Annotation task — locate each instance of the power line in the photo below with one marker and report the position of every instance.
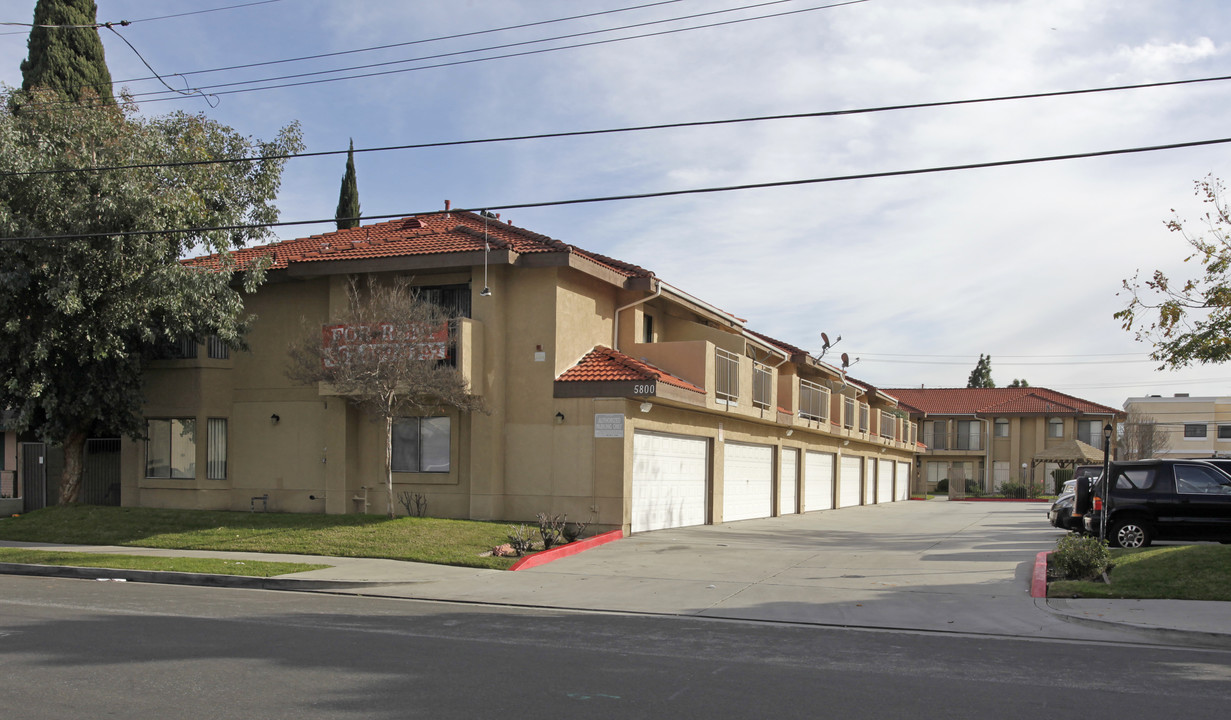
(415, 42)
(125, 23)
(485, 49)
(636, 128)
(493, 57)
(663, 193)
(524, 43)
(973, 359)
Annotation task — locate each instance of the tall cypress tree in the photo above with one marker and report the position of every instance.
(348, 197)
(67, 60)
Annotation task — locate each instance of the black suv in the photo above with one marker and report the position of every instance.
(1166, 499)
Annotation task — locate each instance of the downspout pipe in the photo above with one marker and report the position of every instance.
(615, 333)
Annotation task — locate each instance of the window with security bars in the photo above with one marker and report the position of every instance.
(813, 401)
(216, 448)
(762, 386)
(864, 411)
(848, 413)
(726, 376)
(216, 349)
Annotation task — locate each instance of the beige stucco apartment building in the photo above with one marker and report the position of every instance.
(1010, 431)
(1189, 427)
(613, 396)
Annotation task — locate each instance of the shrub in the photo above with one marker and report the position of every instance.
(942, 485)
(1060, 476)
(973, 488)
(519, 539)
(1078, 557)
(1014, 490)
(551, 529)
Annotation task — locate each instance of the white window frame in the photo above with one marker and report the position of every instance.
(998, 425)
(1055, 423)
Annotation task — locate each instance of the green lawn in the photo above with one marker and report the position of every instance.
(1175, 572)
(209, 566)
(430, 540)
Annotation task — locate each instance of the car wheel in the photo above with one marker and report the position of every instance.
(1129, 534)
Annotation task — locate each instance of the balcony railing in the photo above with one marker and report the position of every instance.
(726, 376)
(952, 441)
(762, 386)
(813, 401)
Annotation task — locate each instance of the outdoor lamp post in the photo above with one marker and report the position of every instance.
(1102, 529)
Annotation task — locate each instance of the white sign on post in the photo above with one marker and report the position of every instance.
(608, 425)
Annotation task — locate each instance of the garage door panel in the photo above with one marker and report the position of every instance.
(850, 482)
(901, 487)
(884, 482)
(669, 481)
(818, 481)
(747, 481)
(788, 482)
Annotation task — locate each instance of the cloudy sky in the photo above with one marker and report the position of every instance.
(918, 274)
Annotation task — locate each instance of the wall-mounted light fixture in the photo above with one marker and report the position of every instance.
(645, 407)
(274, 418)
(559, 418)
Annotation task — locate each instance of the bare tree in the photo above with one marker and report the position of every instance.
(385, 353)
(1140, 437)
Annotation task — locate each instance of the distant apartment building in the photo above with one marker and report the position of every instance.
(1000, 435)
(1188, 427)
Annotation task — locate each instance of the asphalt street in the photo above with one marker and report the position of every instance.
(84, 648)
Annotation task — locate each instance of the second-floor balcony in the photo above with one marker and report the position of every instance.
(949, 440)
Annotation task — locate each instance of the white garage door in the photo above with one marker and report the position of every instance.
(884, 482)
(850, 481)
(869, 481)
(818, 481)
(788, 481)
(669, 481)
(747, 481)
(901, 488)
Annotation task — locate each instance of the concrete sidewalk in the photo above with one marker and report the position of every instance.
(934, 566)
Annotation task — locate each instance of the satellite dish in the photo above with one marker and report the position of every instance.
(846, 361)
(825, 341)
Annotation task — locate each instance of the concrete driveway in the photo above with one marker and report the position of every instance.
(961, 566)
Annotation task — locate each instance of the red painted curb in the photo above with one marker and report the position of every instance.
(546, 556)
(1038, 582)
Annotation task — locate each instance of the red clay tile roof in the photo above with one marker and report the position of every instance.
(995, 401)
(438, 233)
(602, 364)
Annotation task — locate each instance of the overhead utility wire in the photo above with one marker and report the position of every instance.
(467, 52)
(414, 42)
(659, 194)
(635, 128)
(525, 53)
(125, 23)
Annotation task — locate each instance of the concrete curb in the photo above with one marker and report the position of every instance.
(175, 578)
(1038, 580)
(546, 556)
(1060, 608)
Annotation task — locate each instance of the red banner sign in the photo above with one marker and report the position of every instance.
(384, 341)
